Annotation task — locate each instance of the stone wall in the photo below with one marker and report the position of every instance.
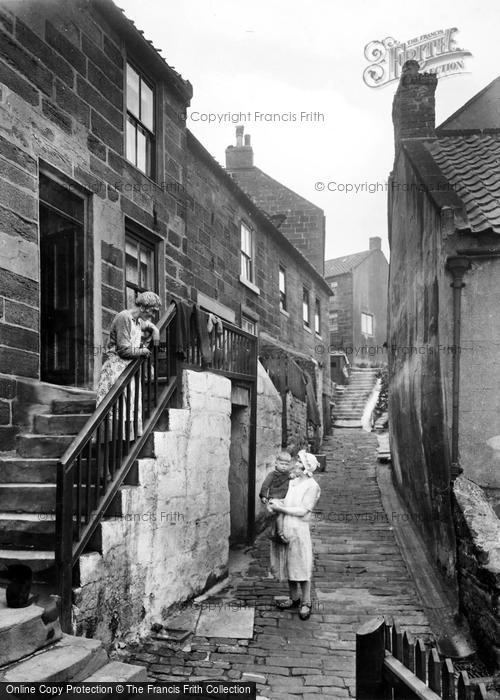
(269, 429)
(171, 540)
(420, 312)
(296, 418)
(478, 565)
(341, 302)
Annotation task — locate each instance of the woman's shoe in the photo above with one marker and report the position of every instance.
(287, 604)
(305, 611)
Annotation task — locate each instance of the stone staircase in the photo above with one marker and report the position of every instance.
(350, 400)
(28, 486)
(33, 650)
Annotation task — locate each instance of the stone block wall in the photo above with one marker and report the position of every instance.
(341, 302)
(269, 429)
(296, 418)
(172, 539)
(478, 565)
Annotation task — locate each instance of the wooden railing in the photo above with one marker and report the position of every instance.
(98, 461)
(391, 666)
(96, 464)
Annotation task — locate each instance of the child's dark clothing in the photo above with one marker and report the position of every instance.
(275, 485)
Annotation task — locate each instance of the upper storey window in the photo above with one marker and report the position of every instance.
(140, 121)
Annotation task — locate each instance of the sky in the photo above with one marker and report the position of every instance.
(294, 69)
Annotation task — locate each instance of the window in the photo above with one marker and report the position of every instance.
(140, 122)
(333, 287)
(333, 320)
(140, 267)
(282, 286)
(247, 268)
(248, 325)
(305, 307)
(317, 317)
(367, 324)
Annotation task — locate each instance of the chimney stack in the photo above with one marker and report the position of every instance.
(413, 109)
(239, 157)
(375, 243)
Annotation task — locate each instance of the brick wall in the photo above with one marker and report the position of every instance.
(213, 220)
(341, 302)
(304, 224)
(61, 108)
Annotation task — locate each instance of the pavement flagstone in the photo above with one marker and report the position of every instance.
(359, 573)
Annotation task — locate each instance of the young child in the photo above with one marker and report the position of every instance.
(275, 485)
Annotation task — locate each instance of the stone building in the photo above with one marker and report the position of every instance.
(443, 336)
(104, 193)
(357, 311)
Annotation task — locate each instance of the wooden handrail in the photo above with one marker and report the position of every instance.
(101, 411)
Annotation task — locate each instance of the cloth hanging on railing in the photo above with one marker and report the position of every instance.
(313, 414)
(214, 323)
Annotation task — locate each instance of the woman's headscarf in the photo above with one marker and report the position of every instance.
(309, 462)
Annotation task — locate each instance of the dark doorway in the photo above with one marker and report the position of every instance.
(62, 284)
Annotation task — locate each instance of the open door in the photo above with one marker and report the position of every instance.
(62, 285)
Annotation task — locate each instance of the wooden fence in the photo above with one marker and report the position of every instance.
(392, 666)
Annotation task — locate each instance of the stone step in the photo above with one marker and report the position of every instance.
(24, 530)
(36, 559)
(69, 659)
(344, 423)
(64, 424)
(118, 672)
(42, 446)
(27, 498)
(22, 631)
(72, 406)
(22, 470)
(35, 498)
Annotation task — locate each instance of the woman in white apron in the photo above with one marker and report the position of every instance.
(294, 561)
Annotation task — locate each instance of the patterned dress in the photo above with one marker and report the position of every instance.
(294, 561)
(123, 347)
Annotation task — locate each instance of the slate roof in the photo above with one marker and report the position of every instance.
(471, 164)
(339, 266)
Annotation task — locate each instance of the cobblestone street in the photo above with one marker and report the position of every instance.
(359, 573)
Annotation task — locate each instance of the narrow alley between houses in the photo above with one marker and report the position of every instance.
(359, 574)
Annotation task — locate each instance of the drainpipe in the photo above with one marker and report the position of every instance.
(458, 266)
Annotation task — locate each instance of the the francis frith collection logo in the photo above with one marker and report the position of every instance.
(436, 52)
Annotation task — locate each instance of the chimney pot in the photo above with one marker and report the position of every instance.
(375, 243)
(239, 157)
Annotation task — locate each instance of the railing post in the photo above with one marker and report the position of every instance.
(370, 654)
(64, 543)
(252, 450)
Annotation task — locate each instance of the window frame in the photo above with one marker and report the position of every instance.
(150, 134)
(248, 256)
(251, 322)
(331, 313)
(141, 240)
(282, 292)
(306, 305)
(365, 314)
(317, 316)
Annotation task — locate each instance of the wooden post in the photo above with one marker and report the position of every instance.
(434, 672)
(370, 654)
(448, 680)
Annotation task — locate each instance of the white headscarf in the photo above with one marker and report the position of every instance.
(309, 462)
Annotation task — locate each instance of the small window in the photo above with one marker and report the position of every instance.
(305, 307)
(317, 317)
(140, 122)
(140, 267)
(248, 325)
(247, 266)
(333, 320)
(282, 286)
(333, 287)
(366, 324)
